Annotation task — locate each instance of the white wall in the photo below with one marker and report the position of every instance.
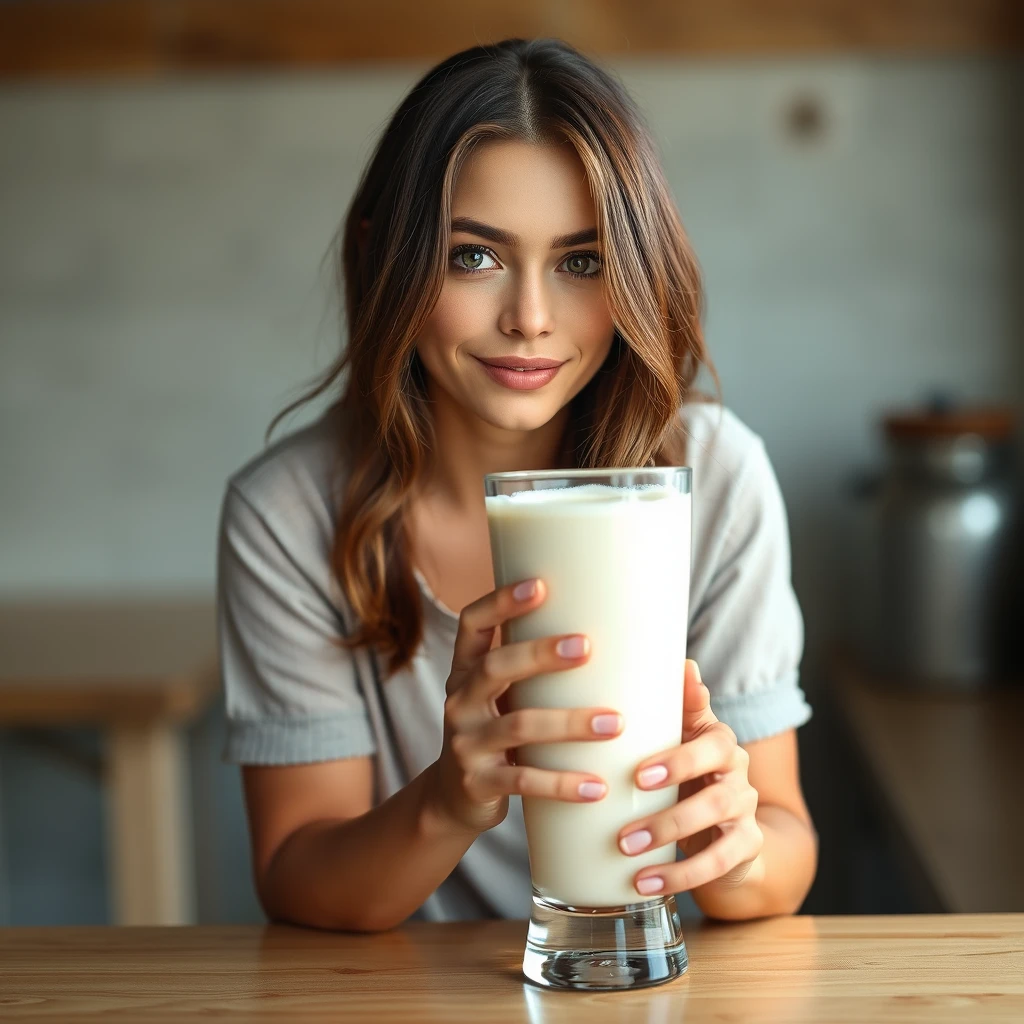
(161, 294)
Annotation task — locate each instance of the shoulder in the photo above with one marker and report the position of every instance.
(735, 492)
(297, 475)
(286, 496)
(722, 451)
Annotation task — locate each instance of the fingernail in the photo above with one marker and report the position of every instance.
(696, 669)
(572, 647)
(635, 842)
(653, 775)
(525, 590)
(646, 886)
(606, 725)
(592, 790)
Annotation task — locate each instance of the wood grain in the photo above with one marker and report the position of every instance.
(69, 37)
(948, 770)
(98, 661)
(786, 970)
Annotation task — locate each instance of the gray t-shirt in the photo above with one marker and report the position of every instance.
(293, 696)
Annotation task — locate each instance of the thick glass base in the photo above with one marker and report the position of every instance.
(597, 949)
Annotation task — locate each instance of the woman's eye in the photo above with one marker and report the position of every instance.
(473, 259)
(582, 264)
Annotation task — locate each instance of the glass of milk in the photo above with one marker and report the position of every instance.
(613, 548)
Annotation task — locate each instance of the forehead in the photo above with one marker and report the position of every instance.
(534, 190)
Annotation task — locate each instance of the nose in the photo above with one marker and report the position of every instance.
(527, 311)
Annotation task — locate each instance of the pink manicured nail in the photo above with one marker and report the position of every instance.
(606, 725)
(653, 775)
(525, 590)
(572, 647)
(635, 841)
(646, 886)
(592, 790)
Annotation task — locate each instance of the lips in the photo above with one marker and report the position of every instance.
(520, 374)
(520, 363)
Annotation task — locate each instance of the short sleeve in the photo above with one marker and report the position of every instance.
(746, 633)
(291, 692)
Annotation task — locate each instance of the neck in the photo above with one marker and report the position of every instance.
(466, 448)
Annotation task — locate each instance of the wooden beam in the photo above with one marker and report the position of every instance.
(47, 38)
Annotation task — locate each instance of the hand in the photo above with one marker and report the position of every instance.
(474, 776)
(714, 821)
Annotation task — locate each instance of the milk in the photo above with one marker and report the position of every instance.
(616, 563)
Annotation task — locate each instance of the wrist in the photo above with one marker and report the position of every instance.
(436, 820)
(736, 898)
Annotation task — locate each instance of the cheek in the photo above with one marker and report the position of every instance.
(454, 319)
(594, 327)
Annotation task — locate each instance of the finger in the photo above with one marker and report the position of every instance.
(512, 662)
(715, 750)
(549, 725)
(714, 861)
(697, 713)
(713, 805)
(479, 620)
(570, 787)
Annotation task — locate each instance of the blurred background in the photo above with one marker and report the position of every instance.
(171, 174)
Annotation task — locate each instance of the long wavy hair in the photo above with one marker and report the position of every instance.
(391, 260)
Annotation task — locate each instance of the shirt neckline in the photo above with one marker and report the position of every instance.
(432, 597)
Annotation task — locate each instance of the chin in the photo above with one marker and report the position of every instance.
(520, 414)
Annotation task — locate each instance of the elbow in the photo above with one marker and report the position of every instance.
(364, 920)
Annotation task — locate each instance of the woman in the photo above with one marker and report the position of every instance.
(513, 216)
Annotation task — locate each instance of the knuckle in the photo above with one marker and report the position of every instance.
(742, 757)
(488, 670)
(756, 838)
(517, 727)
(461, 745)
(719, 801)
(680, 821)
(726, 737)
(719, 861)
(519, 779)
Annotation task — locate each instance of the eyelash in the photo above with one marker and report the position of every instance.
(469, 247)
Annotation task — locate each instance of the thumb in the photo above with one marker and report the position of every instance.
(697, 713)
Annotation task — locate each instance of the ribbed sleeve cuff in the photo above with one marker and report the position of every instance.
(298, 740)
(756, 716)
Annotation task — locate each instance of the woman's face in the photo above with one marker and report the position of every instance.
(517, 289)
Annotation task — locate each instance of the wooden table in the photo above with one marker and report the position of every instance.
(141, 671)
(948, 773)
(966, 968)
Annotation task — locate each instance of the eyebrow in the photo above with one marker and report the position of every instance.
(507, 238)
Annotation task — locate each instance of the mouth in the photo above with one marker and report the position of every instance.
(520, 374)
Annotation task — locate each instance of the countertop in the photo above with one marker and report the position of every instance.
(827, 970)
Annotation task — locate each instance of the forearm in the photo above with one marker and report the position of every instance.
(777, 881)
(366, 874)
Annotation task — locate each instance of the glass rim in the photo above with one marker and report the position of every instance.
(620, 478)
(547, 474)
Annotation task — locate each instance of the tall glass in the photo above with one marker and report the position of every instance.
(613, 548)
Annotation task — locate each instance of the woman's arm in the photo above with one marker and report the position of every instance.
(322, 856)
(778, 880)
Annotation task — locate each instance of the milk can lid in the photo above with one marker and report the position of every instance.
(991, 423)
